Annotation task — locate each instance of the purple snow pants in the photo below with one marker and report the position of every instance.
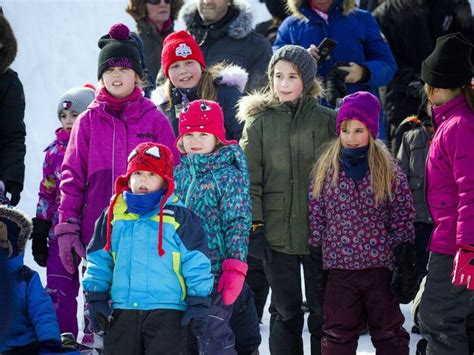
(356, 298)
(63, 289)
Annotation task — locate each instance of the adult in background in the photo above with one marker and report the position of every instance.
(411, 28)
(279, 12)
(223, 30)
(361, 61)
(12, 111)
(155, 20)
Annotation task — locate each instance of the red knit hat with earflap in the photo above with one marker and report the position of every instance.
(152, 157)
(180, 46)
(202, 116)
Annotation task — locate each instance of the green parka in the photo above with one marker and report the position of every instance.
(282, 145)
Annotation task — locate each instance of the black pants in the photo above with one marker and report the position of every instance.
(422, 237)
(258, 283)
(446, 312)
(146, 332)
(287, 317)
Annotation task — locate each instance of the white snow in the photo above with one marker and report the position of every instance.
(57, 49)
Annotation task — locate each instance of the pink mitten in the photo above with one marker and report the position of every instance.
(70, 244)
(463, 267)
(232, 280)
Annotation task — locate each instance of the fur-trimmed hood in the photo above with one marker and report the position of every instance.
(238, 28)
(230, 75)
(9, 49)
(11, 215)
(294, 7)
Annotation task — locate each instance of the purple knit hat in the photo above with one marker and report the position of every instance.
(361, 106)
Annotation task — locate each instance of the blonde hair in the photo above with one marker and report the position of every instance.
(466, 90)
(381, 167)
(207, 87)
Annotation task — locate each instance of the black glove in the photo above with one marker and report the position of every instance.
(99, 312)
(197, 314)
(320, 274)
(259, 247)
(40, 240)
(403, 283)
(14, 189)
(335, 84)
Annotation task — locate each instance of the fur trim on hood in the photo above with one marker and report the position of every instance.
(7, 39)
(230, 75)
(294, 7)
(21, 220)
(239, 28)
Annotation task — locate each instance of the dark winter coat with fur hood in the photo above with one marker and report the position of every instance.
(232, 40)
(12, 110)
(230, 83)
(282, 142)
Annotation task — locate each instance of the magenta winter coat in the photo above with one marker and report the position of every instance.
(450, 176)
(97, 154)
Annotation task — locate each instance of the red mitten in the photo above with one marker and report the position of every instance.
(463, 267)
(232, 280)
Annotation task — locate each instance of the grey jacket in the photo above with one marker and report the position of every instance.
(235, 43)
(412, 156)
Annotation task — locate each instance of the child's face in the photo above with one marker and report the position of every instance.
(67, 119)
(6, 249)
(199, 143)
(119, 81)
(185, 74)
(287, 83)
(143, 182)
(354, 134)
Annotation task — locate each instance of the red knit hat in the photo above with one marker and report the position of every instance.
(180, 46)
(152, 157)
(202, 116)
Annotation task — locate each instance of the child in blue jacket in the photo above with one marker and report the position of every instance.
(30, 326)
(148, 271)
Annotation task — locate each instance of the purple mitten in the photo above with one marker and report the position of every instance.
(70, 245)
(232, 280)
(463, 267)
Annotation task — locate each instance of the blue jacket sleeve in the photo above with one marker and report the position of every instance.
(195, 263)
(228, 97)
(100, 263)
(41, 311)
(379, 58)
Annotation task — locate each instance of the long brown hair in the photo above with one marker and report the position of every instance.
(381, 166)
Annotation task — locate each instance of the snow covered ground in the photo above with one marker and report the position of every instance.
(57, 49)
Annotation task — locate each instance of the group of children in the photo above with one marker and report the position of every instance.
(167, 221)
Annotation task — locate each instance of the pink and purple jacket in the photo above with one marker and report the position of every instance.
(355, 233)
(97, 154)
(450, 177)
(48, 202)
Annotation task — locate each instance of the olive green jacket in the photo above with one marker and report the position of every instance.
(281, 148)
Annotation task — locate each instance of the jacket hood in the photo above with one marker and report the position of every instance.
(11, 215)
(7, 39)
(238, 28)
(230, 75)
(294, 6)
(252, 104)
(227, 155)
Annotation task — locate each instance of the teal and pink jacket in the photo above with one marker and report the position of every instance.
(101, 140)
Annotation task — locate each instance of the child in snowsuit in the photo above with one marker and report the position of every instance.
(285, 126)
(213, 182)
(188, 79)
(446, 314)
(30, 321)
(361, 220)
(148, 271)
(61, 285)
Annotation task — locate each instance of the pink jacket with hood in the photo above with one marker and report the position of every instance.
(450, 176)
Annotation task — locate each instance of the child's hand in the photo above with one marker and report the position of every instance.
(403, 283)
(463, 267)
(259, 247)
(99, 312)
(70, 245)
(40, 240)
(197, 313)
(232, 280)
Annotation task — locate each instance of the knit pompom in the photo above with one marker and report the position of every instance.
(119, 31)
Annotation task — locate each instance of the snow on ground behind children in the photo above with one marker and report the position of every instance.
(57, 49)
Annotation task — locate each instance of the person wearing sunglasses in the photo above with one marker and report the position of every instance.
(154, 20)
